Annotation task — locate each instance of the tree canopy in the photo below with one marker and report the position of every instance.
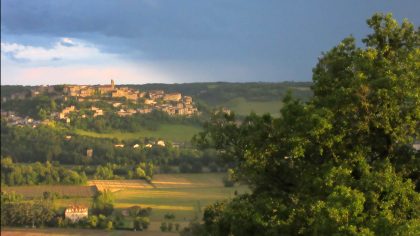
(340, 164)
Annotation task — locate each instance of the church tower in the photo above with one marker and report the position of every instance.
(112, 84)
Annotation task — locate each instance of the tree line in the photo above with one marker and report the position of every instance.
(33, 174)
(45, 143)
(110, 121)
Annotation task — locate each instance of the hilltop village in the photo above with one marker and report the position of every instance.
(122, 101)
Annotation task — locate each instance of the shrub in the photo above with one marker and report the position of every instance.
(163, 227)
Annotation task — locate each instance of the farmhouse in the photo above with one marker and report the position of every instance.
(175, 97)
(416, 146)
(187, 99)
(117, 104)
(161, 143)
(89, 152)
(155, 94)
(65, 111)
(144, 110)
(75, 213)
(97, 111)
(129, 112)
(149, 102)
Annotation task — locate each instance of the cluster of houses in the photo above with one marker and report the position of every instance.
(149, 145)
(144, 102)
(161, 143)
(83, 91)
(64, 114)
(11, 118)
(171, 103)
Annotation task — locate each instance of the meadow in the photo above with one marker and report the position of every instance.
(185, 195)
(66, 191)
(173, 132)
(244, 107)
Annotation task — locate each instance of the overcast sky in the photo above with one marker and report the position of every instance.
(177, 41)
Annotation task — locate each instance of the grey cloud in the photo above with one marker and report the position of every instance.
(280, 34)
(67, 44)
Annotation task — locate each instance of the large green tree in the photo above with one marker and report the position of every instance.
(339, 164)
(103, 203)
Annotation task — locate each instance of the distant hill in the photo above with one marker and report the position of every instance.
(8, 90)
(242, 98)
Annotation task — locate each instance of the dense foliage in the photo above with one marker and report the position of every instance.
(17, 212)
(45, 143)
(138, 122)
(37, 173)
(103, 203)
(340, 164)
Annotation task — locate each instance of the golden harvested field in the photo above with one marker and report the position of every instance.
(62, 190)
(117, 185)
(185, 195)
(188, 180)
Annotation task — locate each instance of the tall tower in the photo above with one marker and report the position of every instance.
(112, 84)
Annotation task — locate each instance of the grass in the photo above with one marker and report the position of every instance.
(172, 132)
(185, 195)
(185, 203)
(115, 185)
(62, 190)
(243, 107)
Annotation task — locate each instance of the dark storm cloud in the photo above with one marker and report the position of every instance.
(278, 34)
(126, 19)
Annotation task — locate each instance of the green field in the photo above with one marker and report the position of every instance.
(172, 132)
(243, 107)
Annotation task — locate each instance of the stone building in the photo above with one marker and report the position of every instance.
(187, 99)
(89, 152)
(155, 94)
(76, 213)
(63, 114)
(86, 92)
(175, 97)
